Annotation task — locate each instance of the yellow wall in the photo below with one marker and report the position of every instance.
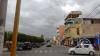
(72, 31)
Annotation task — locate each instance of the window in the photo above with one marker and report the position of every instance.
(79, 46)
(86, 46)
(78, 33)
(92, 22)
(69, 22)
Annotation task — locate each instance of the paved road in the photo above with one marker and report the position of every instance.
(45, 51)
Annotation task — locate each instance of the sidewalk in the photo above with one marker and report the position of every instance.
(98, 52)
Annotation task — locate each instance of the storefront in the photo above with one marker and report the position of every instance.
(67, 41)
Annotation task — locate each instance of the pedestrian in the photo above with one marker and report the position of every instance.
(9, 46)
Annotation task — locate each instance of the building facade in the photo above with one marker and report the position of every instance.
(60, 31)
(59, 35)
(72, 27)
(91, 26)
(77, 28)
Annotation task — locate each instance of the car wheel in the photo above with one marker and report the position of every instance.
(91, 53)
(72, 52)
(30, 49)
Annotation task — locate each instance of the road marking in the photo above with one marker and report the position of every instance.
(45, 51)
(50, 51)
(40, 51)
(36, 51)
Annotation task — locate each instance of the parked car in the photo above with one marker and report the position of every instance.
(20, 47)
(35, 45)
(27, 46)
(24, 46)
(43, 43)
(48, 45)
(82, 49)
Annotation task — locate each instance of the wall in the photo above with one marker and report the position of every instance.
(60, 31)
(90, 29)
(72, 31)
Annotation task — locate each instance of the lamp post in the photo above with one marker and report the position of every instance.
(15, 29)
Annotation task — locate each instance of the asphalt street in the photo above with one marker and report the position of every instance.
(45, 51)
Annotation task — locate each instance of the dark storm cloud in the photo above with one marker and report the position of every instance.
(43, 16)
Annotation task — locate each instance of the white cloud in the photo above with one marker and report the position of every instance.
(39, 0)
(70, 5)
(68, 8)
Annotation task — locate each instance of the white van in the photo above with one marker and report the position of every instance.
(82, 49)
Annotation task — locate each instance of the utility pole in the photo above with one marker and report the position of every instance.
(15, 29)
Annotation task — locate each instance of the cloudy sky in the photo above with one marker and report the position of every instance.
(43, 16)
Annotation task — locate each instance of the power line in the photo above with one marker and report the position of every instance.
(96, 14)
(93, 10)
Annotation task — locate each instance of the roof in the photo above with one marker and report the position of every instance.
(73, 14)
(91, 18)
(76, 12)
